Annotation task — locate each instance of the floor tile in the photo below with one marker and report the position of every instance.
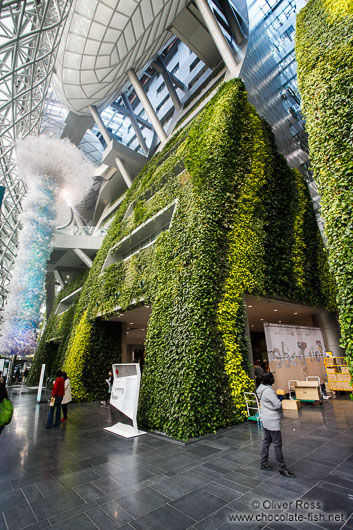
(88, 492)
(163, 518)
(79, 522)
(32, 493)
(169, 490)
(12, 498)
(117, 513)
(49, 487)
(19, 517)
(101, 519)
(198, 504)
(61, 502)
(203, 451)
(142, 502)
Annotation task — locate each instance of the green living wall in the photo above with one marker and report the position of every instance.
(324, 49)
(243, 222)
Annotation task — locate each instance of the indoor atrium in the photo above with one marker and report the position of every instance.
(176, 257)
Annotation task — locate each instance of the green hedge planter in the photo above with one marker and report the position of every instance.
(324, 49)
(244, 222)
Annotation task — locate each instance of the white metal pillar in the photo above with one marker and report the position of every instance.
(105, 133)
(101, 126)
(134, 123)
(123, 171)
(218, 37)
(147, 105)
(83, 257)
(160, 67)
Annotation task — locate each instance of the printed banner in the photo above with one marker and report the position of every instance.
(294, 352)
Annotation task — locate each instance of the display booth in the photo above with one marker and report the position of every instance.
(294, 353)
(124, 397)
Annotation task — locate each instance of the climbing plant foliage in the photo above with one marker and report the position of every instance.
(243, 223)
(324, 49)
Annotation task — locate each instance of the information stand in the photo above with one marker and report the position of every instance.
(124, 397)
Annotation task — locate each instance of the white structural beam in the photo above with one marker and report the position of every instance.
(101, 125)
(105, 133)
(134, 123)
(123, 171)
(160, 67)
(59, 278)
(147, 105)
(83, 257)
(218, 37)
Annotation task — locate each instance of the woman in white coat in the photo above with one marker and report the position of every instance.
(67, 396)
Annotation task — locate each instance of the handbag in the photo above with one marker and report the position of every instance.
(6, 411)
(52, 402)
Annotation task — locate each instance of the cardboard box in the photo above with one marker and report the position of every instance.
(290, 404)
(307, 390)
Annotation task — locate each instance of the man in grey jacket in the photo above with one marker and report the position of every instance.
(270, 417)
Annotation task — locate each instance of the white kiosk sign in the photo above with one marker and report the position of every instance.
(124, 397)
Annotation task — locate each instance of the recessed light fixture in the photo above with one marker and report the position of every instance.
(295, 313)
(261, 319)
(130, 322)
(279, 321)
(252, 325)
(275, 309)
(249, 305)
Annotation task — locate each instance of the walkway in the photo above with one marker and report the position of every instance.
(81, 477)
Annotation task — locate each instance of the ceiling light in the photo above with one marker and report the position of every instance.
(249, 305)
(131, 323)
(261, 318)
(295, 313)
(252, 325)
(275, 309)
(279, 321)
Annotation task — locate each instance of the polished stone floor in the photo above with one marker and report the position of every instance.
(78, 476)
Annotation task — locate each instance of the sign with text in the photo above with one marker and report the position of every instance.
(124, 397)
(294, 352)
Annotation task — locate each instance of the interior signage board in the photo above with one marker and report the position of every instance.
(124, 397)
(294, 353)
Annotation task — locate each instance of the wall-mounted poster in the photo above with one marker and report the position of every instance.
(294, 352)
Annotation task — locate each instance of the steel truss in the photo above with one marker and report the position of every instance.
(30, 32)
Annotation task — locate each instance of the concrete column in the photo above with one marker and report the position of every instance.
(123, 171)
(59, 278)
(124, 358)
(330, 328)
(83, 257)
(250, 353)
(101, 126)
(147, 105)
(218, 37)
(134, 123)
(129, 353)
(50, 292)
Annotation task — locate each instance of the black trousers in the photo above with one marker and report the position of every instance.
(64, 407)
(274, 437)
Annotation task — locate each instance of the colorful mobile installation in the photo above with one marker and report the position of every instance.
(50, 168)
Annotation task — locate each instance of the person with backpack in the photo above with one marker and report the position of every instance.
(6, 408)
(270, 418)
